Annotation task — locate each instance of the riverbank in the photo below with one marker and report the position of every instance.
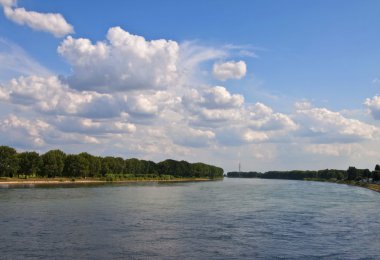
(62, 181)
(370, 186)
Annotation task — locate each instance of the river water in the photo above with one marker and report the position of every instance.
(230, 219)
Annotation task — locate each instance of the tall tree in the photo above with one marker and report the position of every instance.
(8, 161)
(376, 174)
(94, 164)
(29, 163)
(53, 163)
(75, 166)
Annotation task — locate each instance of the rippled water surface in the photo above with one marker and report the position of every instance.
(230, 219)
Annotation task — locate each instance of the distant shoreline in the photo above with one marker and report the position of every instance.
(63, 181)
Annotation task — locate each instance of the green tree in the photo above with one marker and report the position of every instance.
(76, 166)
(53, 163)
(376, 174)
(352, 173)
(94, 164)
(367, 174)
(8, 161)
(29, 163)
(132, 166)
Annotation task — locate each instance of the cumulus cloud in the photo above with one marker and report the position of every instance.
(49, 95)
(4, 95)
(147, 107)
(212, 106)
(236, 136)
(37, 133)
(213, 98)
(142, 106)
(8, 3)
(262, 117)
(53, 23)
(219, 97)
(331, 149)
(373, 105)
(123, 62)
(324, 126)
(22, 132)
(99, 127)
(229, 70)
(190, 137)
(216, 107)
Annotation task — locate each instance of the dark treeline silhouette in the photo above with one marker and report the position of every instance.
(56, 163)
(351, 174)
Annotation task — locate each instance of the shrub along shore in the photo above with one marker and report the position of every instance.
(352, 176)
(57, 167)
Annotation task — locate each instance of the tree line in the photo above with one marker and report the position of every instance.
(351, 174)
(55, 163)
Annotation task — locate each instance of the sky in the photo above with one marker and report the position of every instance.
(274, 85)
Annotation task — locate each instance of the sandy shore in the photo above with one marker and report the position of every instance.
(374, 187)
(23, 182)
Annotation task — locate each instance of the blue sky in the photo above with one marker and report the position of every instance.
(304, 94)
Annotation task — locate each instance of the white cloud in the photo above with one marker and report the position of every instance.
(219, 97)
(229, 70)
(213, 98)
(324, 126)
(148, 107)
(142, 106)
(212, 106)
(192, 55)
(123, 62)
(262, 117)
(237, 136)
(53, 23)
(217, 117)
(49, 95)
(190, 137)
(8, 3)
(99, 127)
(38, 134)
(373, 105)
(216, 107)
(332, 149)
(22, 132)
(4, 95)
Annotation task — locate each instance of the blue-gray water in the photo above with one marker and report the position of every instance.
(230, 219)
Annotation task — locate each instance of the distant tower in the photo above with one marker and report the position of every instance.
(239, 167)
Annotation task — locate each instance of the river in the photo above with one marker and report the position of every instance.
(230, 219)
